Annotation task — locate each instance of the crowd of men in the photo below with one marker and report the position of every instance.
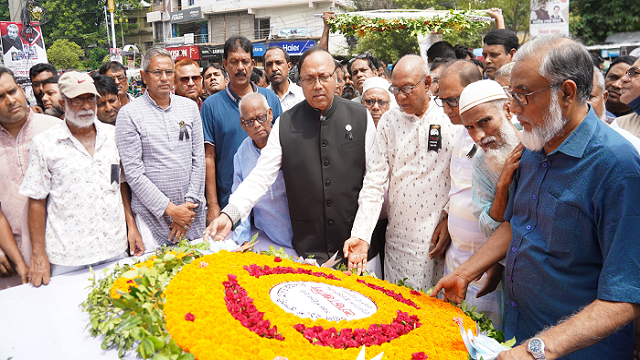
(513, 183)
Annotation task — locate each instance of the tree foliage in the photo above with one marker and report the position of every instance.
(83, 22)
(593, 21)
(389, 45)
(65, 54)
(4, 10)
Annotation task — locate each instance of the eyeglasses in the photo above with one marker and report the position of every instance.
(322, 78)
(158, 73)
(249, 122)
(632, 72)
(452, 101)
(77, 101)
(372, 102)
(121, 78)
(523, 99)
(185, 79)
(407, 89)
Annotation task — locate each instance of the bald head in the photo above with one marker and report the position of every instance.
(465, 71)
(412, 63)
(453, 79)
(407, 75)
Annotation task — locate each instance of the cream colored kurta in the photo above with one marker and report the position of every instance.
(630, 122)
(419, 183)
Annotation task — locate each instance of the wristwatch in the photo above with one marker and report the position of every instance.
(536, 348)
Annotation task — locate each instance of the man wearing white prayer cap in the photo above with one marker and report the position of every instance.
(463, 225)
(484, 110)
(377, 98)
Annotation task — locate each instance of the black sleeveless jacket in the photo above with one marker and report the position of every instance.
(323, 163)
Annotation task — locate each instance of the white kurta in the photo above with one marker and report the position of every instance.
(419, 183)
(466, 237)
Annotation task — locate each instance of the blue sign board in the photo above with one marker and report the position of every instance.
(259, 48)
(294, 47)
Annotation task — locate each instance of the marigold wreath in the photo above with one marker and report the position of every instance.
(218, 307)
(179, 304)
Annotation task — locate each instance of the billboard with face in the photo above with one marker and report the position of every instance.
(21, 49)
(549, 17)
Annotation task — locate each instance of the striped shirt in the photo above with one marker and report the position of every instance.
(161, 165)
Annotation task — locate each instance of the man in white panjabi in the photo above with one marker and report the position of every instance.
(412, 152)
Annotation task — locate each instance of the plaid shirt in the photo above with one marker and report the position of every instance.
(159, 165)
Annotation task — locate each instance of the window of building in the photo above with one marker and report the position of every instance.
(159, 31)
(261, 28)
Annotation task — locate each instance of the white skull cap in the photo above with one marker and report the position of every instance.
(480, 92)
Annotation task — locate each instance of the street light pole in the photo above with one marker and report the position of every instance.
(112, 8)
(106, 21)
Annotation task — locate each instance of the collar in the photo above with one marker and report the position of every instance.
(635, 105)
(576, 143)
(234, 97)
(328, 113)
(65, 133)
(289, 88)
(154, 103)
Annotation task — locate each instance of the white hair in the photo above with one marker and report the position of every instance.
(250, 98)
(505, 70)
(599, 79)
(570, 61)
(153, 52)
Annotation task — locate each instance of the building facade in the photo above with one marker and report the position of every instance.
(295, 25)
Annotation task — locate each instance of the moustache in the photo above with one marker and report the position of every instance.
(85, 113)
(241, 73)
(276, 73)
(487, 140)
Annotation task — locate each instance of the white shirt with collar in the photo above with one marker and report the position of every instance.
(293, 96)
(85, 217)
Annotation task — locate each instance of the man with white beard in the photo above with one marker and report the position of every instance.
(464, 228)
(571, 224)
(76, 217)
(485, 114)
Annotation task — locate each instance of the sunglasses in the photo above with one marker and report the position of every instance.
(185, 79)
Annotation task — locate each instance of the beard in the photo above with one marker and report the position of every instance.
(348, 92)
(553, 123)
(495, 158)
(81, 119)
(56, 111)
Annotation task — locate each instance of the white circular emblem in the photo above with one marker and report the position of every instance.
(322, 301)
(348, 127)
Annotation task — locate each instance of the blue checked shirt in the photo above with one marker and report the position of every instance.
(160, 167)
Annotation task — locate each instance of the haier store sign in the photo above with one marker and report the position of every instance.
(295, 47)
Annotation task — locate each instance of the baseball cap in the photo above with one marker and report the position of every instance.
(72, 84)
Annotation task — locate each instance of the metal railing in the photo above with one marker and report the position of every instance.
(262, 33)
(201, 39)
